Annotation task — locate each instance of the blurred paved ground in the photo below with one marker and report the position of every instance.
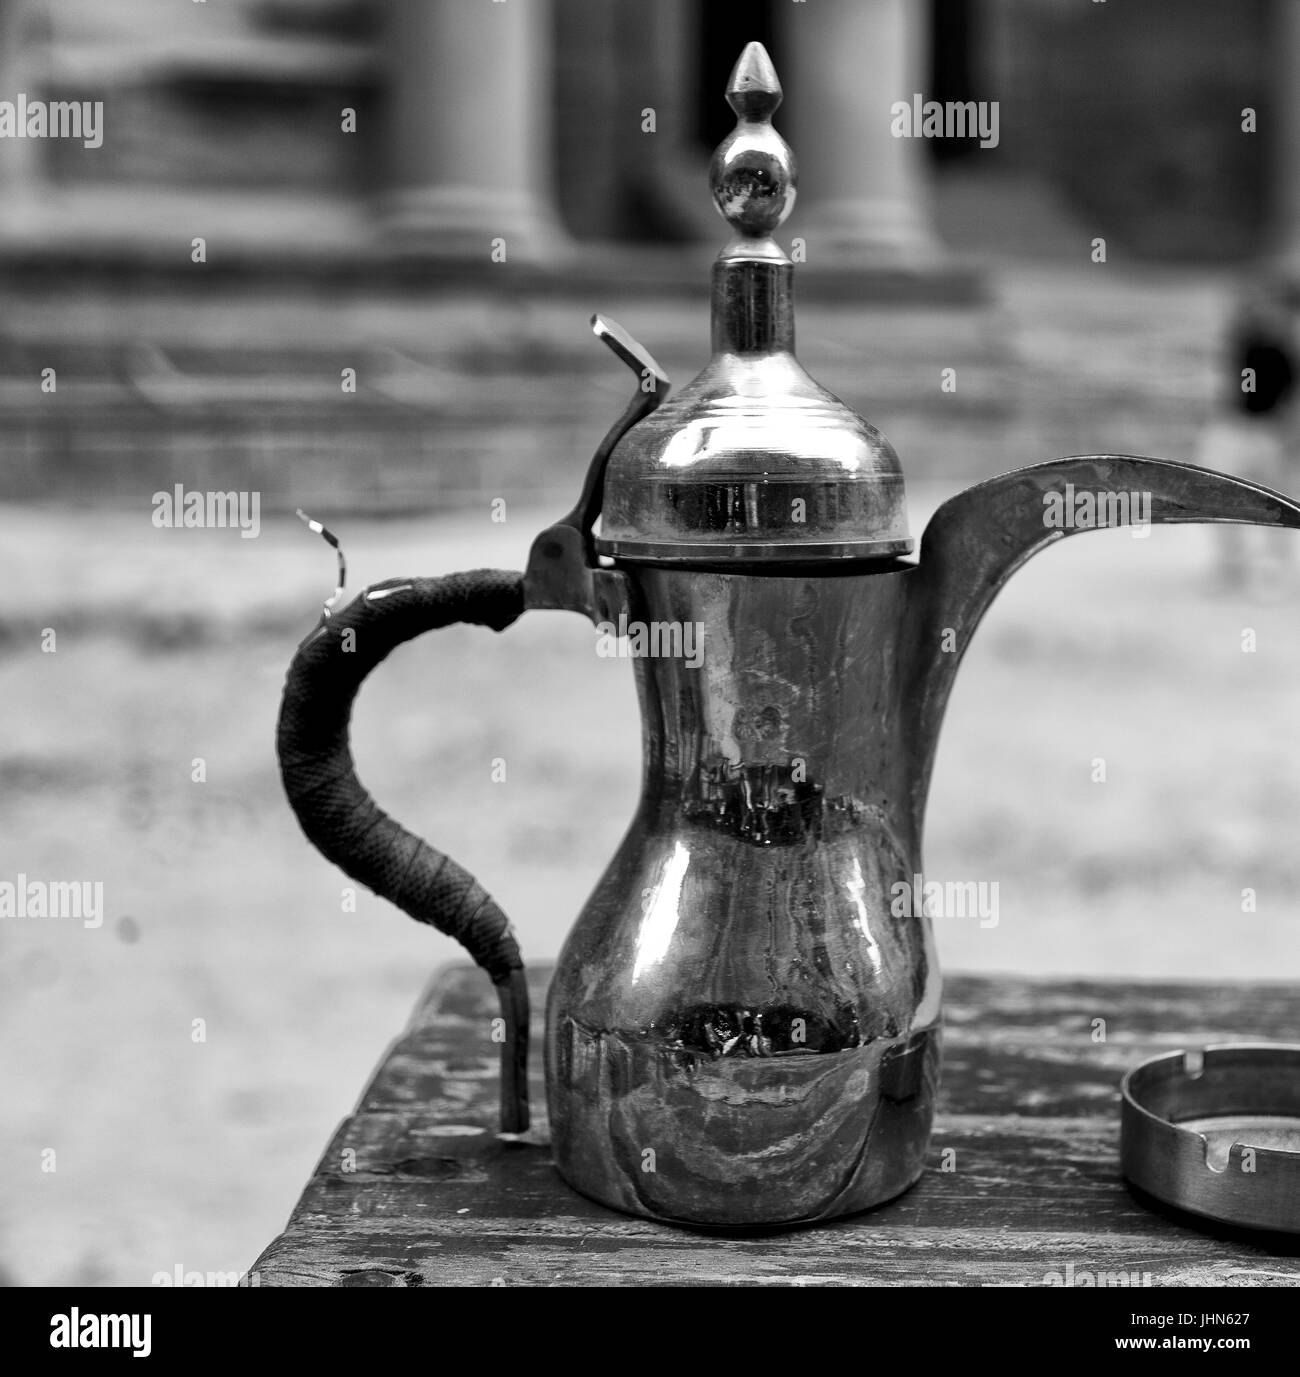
(172, 645)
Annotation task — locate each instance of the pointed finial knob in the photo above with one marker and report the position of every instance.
(754, 90)
(752, 175)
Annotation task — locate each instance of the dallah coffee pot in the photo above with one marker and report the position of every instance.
(744, 1025)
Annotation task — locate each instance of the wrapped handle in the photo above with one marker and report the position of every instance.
(349, 828)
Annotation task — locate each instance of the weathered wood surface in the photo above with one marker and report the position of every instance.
(415, 1189)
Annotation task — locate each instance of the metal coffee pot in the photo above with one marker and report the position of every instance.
(744, 1025)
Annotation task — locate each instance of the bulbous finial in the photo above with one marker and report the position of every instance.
(752, 175)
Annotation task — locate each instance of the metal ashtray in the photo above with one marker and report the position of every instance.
(1217, 1132)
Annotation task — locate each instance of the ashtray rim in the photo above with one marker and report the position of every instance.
(1171, 1162)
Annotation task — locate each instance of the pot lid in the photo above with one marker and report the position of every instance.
(753, 461)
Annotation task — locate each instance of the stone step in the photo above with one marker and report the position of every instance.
(462, 397)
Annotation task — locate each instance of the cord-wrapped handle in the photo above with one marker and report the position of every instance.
(349, 828)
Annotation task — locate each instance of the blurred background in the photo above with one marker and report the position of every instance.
(341, 254)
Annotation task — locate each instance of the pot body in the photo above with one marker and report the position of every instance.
(744, 1025)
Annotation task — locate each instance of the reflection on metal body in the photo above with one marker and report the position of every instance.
(740, 1030)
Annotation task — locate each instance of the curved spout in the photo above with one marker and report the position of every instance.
(978, 539)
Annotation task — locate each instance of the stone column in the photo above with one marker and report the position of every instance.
(469, 128)
(864, 194)
(24, 61)
(1284, 172)
(667, 192)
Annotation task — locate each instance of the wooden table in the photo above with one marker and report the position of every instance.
(415, 1189)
